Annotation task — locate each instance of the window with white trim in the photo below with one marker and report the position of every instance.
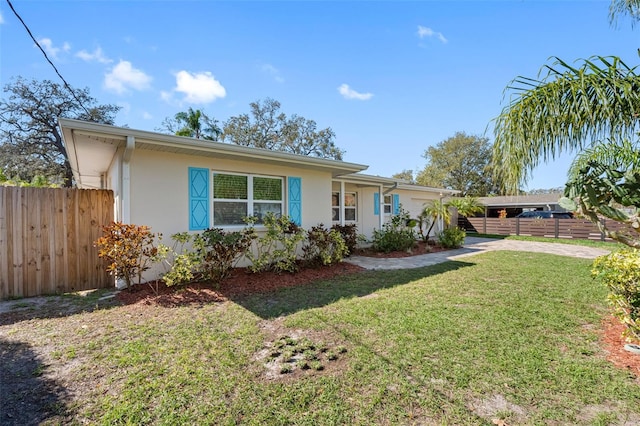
(388, 200)
(350, 206)
(236, 196)
(335, 206)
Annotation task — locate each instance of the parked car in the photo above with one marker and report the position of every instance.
(545, 214)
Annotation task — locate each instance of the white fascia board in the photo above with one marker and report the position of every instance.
(337, 167)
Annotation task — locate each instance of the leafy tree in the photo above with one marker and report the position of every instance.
(194, 124)
(538, 191)
(38, 181)
(405, 174)
(30, 141)
(461, 162)
(269, 128)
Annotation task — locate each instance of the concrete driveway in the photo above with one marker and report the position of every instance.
(475, 245)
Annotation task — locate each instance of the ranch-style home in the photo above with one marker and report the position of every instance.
(174, 184)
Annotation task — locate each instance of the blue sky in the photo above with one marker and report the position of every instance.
(390, 78)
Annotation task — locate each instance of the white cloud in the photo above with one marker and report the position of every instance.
(1, 18)
(273, 72)
(146, 115)
(166, 96)
(124, 77)
(50, 49)
(428, 32)
(198, 88)
(97, 55)
(348, 93)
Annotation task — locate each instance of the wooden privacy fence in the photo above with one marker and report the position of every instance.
(555, 227)
(46, 240)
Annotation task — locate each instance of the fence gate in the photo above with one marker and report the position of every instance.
(46, 240)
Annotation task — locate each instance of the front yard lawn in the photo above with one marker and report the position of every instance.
(500, 336)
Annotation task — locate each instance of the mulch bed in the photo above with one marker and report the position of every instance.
(241, 283)
(613, 343)
(420, 248)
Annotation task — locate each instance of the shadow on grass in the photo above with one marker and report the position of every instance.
(27, 397)
(321, 293)
(42, 307)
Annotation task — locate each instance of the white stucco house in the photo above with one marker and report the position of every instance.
(176, 184)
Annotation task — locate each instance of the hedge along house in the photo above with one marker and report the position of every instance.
(174, 184)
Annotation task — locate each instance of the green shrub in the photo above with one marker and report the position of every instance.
(349, 235)
(452, 237)
(221, 251)
(276, 250)
(324, 246)
(181, 262)
(396, 235)
(129, 249)
(620, 272)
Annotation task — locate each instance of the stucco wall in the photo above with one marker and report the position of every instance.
(412, 201)
(159, 188)
(160, 197)
(113, 181)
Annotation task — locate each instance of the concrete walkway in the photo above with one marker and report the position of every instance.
(475, 245)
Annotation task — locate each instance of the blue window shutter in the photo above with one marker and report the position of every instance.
(295, 199)
(396, 204)
(198, 199)
(376, 203)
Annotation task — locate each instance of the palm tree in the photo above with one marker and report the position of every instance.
(568, 108)
(604, 181)
(466, 206)
(194, 124)
(436, 210)
(624, 7)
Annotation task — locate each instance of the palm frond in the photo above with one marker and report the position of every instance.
(565, 110)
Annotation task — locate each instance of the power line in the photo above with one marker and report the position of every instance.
(49, 60)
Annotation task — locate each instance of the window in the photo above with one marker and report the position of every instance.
(387, 204)
(350, 206)
(236, 196)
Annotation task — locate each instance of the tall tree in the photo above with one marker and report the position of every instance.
(30, 140)
(194, 124)
(461, 162)
(405, 175)
(269, 128)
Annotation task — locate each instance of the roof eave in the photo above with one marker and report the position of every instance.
(337, 167)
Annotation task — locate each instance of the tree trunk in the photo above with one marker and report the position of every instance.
(68, 175)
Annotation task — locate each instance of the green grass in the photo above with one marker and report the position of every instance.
(436, 345)
(577, 242)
